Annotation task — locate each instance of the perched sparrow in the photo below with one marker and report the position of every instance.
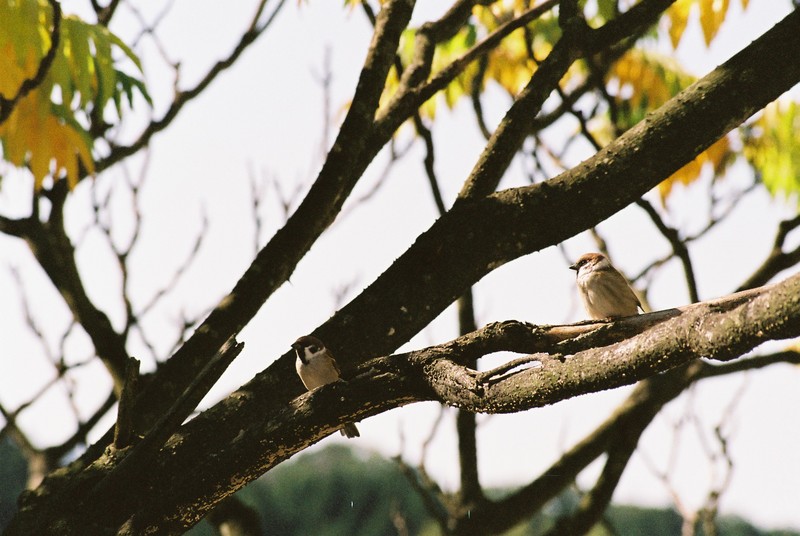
(604, 292)
(316, 367)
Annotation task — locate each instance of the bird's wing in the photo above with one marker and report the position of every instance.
(614, 273)
(334, 364)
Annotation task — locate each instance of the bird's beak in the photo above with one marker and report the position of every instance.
(574, 266)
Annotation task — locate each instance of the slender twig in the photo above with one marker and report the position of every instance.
(79, 436)
(713, 221)
(179, 271)
(256, 28)
(777, 260)
(679, 247)
(104, 14)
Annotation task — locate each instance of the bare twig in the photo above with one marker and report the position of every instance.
(256, 28)
(777, 260)
(256, 199)
(178, 273)
(713, 221)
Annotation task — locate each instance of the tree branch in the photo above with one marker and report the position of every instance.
(742, 318)
(246, 445)
(137, 460)
(678, 247)
(55, 253)
(777, 260)
(276, 261)
(119, 152)
(29, 84)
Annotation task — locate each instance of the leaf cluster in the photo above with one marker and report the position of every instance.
(50, 130)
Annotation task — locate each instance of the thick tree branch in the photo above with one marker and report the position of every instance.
(441, 265)
(55, 253)
(744, 320)
(254, 438)
(262, 424)
(136, 462)
(276, 261)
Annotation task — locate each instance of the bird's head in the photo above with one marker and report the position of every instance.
(589, 262)
(307, 346)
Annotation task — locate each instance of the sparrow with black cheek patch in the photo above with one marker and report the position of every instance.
(604, 292)
(316, 367)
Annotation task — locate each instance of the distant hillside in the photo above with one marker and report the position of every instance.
(340, 491)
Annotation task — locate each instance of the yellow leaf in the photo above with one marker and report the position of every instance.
(645, 81)
(22, 42)
(678, 16)
(34, 136)
(712, 15)
(772, 146)
(13, 75)
(717, 157)
(44, 131)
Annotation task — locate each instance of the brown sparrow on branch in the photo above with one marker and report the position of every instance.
(316, 367)
(604, 292)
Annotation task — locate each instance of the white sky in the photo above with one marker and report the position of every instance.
(264, 118)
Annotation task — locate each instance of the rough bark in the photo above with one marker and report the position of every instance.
(265, 422)
(246, 438)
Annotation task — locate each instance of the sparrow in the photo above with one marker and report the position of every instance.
(604, 291)
(316, 367)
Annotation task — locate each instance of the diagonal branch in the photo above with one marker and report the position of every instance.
(137, 460)
(55, 253)
(594, 504)
(777, 260)
(276, 261)
(679, 248)
(29, 84)
(721, 329)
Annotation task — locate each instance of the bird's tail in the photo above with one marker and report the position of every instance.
(349, 430)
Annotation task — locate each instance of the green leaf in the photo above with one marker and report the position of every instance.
(47, 129)
(772, 146)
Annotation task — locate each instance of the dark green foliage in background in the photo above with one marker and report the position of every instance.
(340, 491)
(13, 474)
(335, 491)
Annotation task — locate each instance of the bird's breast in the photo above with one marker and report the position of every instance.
(316, 372)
